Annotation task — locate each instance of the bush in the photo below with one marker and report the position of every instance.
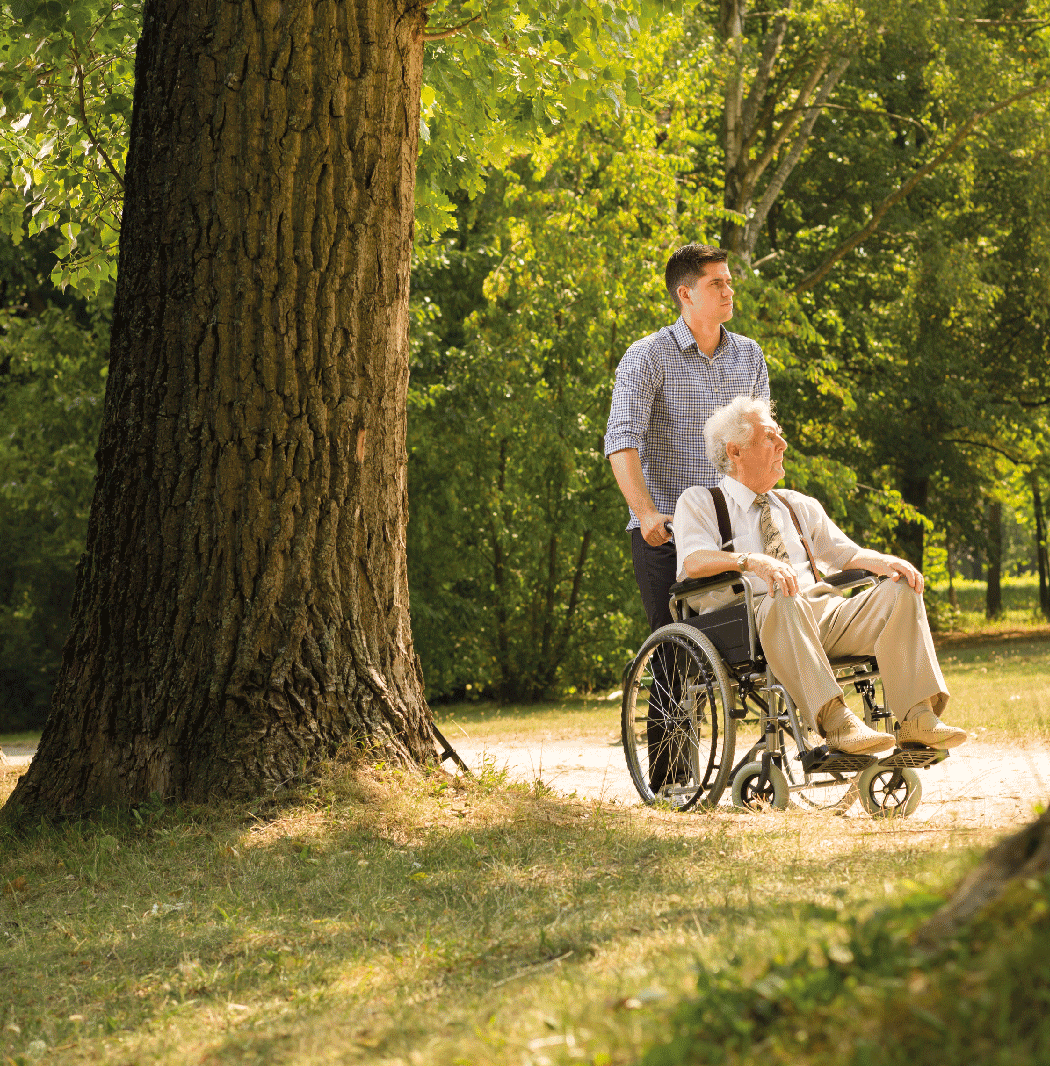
(52, 376)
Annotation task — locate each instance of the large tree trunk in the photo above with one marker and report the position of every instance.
(242, 608)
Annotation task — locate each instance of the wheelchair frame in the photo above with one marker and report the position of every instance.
(704, 673)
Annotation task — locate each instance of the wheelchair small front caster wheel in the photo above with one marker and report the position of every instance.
(747, 794)
(886, 792)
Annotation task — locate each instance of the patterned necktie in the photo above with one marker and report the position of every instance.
(774, 543)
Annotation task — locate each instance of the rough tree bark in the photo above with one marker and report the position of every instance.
(242, 607)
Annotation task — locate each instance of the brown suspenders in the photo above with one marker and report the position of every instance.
(725, 528)
(817, 575)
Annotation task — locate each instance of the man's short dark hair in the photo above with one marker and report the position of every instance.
(687, 264)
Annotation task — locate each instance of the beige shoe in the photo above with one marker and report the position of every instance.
(926, 728)
(844, 731)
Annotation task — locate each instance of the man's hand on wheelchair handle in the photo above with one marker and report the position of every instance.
(655, 528)
(778, 575)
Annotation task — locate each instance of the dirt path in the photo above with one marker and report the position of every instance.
(978, 785)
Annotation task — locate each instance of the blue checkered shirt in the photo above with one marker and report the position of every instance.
(666, 389)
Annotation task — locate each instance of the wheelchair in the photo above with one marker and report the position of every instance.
(700, 687)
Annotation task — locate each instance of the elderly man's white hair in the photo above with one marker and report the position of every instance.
(732, 425)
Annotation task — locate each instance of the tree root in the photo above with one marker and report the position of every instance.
(1023, 855)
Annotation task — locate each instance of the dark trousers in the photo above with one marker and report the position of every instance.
(655, 570)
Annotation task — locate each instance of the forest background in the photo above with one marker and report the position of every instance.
(879, 173)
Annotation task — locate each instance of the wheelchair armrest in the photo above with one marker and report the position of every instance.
(715, 581)
(848, 579)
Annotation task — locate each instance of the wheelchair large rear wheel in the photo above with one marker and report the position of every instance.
(677, 725)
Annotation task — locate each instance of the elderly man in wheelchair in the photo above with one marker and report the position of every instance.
(763, 632)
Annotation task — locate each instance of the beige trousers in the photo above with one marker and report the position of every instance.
(799, 634)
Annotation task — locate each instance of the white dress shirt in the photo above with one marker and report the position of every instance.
(696, 529)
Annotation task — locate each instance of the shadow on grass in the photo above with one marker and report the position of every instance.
(370, 889)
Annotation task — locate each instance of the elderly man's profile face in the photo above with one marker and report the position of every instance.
(759, 464)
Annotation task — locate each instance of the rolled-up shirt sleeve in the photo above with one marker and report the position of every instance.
(695, 526)
(637, 379)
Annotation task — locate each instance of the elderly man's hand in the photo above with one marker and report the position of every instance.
(901, 568)
(778, 575)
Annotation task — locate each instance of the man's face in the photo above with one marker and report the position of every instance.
(711, 298)
(760, 464)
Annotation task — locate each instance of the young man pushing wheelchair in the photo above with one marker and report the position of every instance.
(779, 539)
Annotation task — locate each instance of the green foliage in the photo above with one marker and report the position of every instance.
(51, 383)
(66, 83)
(520, 570)
(517, 70)
(511, 71)
(514, 543)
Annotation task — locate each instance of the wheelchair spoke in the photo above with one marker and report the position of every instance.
(676, 719)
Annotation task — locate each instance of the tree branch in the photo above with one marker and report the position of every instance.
(865, 111)
(789, 163)
(731, 26)
(990, 447)
(451, 31)
(769, 105)
(787, 127)
(87, 125)
(895, 197)
(770, 47)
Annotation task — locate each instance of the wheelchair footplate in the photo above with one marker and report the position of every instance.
(915, 757)
(823, 760)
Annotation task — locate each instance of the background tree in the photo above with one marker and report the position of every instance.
(515, 549)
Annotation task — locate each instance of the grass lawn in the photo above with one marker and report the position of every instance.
(384, 917)
(1020, 607)
(379, 916)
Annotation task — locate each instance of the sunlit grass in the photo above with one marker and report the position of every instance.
(998, 689)
(381, 916)
(1021, 611)
(577, 717)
